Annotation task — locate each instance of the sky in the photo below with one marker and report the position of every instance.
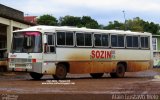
(101, 10)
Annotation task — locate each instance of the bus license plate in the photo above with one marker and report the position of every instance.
(18, 69)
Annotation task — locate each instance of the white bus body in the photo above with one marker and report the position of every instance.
(61, 50)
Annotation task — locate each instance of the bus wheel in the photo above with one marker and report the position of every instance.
(96, 75)
(61, 72)
(120, 71)
(36, 76)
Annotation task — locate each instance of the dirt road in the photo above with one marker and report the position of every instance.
(140, 83)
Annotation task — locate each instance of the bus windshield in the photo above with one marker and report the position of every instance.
(26, 42)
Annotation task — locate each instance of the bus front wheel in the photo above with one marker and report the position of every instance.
(96, 75)
(61, 72)
(120, 71)
(36, 76)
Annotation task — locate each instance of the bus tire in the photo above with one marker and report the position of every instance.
(120, 71)
(96, 75)
(36, 76)
(61, 72)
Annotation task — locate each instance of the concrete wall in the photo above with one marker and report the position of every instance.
(10, 12)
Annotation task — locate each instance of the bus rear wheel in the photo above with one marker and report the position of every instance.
(120, 71)
(96, 75)
(36, 76)
(61, 72)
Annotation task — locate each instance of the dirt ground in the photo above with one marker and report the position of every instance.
(22, 87)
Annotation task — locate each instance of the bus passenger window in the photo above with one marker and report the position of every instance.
(80, 39)
(50, 40)
(142, 42)
(135, 41)
(60, 38)
(120, 41)
(114, 40)
(50, 43)
(145, 42)
(129, 41)
(105, 40)
(88, 39)
(69, 38)
(97, 40)
(132, 41)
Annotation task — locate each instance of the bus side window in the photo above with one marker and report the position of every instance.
(144, 42)
(50, 43)
(117, 41)
(84, 39)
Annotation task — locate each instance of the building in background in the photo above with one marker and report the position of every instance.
(10, 20)
(31, 19)
(156, 50)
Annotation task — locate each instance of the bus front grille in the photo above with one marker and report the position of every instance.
(16, 60)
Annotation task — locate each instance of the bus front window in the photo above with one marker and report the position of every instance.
(27, 42)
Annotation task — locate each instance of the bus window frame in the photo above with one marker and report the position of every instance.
(117, 40)
(84, 38)
(132, 41)
(148, 42)
(101, 40)
(48, 46)
(65, 39)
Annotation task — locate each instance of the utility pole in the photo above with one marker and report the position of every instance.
(125, 27)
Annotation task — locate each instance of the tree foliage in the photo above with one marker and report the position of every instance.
(69, 21)
(85, 21)
(135, 24)
(47, 20)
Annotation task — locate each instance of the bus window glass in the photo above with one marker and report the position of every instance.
(135, 41)
(60, 38)
(120, 41)
(97, 39)
(88, 39)
(105, 40)
(114, 40)
(142, 42)
(129, 41)
(69, 38)
(27, 42)
(80, 39)
(52, 49)
(146, 42)
(50, 39)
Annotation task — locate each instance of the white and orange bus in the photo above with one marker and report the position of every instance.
(54, 50)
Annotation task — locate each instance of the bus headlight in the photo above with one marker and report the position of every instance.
(11, 65)
(29, 66)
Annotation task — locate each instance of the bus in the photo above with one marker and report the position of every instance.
(58, 50)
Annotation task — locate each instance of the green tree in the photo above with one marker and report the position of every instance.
(47, 20)
(115, 25)
(88, 22)
(135, 24)
(85, 21)
(70, 21)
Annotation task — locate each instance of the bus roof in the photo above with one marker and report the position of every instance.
(42, 29)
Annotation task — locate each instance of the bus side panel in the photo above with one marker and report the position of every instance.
(99, 67)
(80, 67)
(134, 66)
